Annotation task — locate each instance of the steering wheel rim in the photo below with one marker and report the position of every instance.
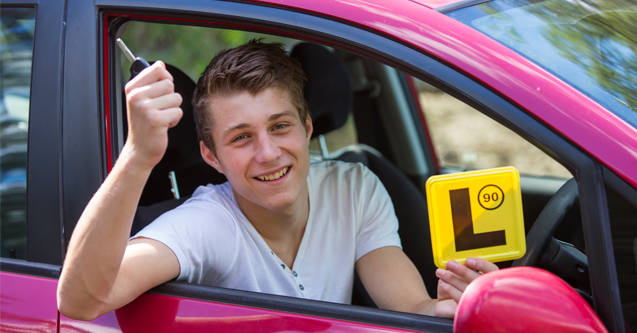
(541, 233)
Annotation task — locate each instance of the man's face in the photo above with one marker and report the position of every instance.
(262, 148)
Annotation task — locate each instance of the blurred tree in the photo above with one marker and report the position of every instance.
(600, 37)
(597, 38)
(189, 48)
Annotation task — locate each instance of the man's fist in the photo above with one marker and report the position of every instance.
(153, 108)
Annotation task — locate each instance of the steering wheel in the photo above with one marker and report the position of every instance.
(541, 234)
(544, 250)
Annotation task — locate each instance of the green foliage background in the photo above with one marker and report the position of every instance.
(598, 36)
(189, 48)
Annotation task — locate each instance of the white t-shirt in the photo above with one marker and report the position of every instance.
(351, 214)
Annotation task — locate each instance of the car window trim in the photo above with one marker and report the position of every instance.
(625, 191)
(20, 3)
(599, 247)
(459, 5)
(620, 186)
(304, 306)
(22, 267)
(419, 118)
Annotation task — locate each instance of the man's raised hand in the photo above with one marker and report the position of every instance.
(153, 107)
(101, 272)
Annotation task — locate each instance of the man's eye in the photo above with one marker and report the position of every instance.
(279, 126)
(240, 137)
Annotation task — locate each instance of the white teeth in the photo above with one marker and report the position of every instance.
(274, 176)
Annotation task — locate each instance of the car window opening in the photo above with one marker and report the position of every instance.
(356, 132)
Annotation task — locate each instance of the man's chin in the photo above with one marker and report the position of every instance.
(280, 205)
(273, 202)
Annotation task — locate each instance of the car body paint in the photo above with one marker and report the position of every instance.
(162, 313)
(106, 324)
(19, 310)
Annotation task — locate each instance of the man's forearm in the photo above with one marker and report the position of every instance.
(99, 240)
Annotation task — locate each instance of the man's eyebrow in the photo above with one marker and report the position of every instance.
(282, 114)
(237, 127)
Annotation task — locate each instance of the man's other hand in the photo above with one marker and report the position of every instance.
(454, 280)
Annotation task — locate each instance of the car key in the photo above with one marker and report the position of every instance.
(138, 64)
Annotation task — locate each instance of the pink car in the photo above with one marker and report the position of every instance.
(401, 86)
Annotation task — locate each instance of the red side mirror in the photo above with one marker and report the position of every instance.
(523, 299)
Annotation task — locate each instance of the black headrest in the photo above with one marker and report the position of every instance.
(329, 92)
(183, 145)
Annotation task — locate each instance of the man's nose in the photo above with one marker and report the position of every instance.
(267, 150)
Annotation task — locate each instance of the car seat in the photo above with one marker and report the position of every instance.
(329, 94)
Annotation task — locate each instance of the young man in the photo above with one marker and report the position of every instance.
(279, 225)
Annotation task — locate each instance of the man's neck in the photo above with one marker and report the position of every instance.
(282, 230)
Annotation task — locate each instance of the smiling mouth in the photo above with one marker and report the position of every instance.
(274, 176)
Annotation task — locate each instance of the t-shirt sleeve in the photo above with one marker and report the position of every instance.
(379, 225)
(202, 236)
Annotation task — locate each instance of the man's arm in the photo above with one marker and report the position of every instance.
(102, 270)
(394, 283)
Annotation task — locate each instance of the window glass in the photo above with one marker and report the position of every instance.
(623, 223)
(16, 52)
(589, 44)
(465, 139)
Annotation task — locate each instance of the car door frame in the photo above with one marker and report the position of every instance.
(44, 200)
(43, 168)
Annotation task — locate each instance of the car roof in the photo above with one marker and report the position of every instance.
(563, 108)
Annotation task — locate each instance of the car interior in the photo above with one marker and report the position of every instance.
(378, 103)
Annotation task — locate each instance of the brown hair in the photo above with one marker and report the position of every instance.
(252, 67)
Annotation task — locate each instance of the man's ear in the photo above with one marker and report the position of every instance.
(209, 157)
(310, 129)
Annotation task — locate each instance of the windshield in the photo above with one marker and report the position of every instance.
(590, 44)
